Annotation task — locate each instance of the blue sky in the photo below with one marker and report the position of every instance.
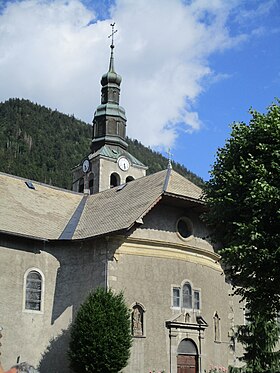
(189, 68)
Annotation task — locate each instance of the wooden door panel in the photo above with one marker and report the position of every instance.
(186, 364)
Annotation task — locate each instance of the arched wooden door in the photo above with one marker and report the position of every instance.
(187, 357)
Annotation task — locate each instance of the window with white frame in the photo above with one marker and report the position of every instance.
(196, 299)
(176, 297)
(33, 291)
(186, 297)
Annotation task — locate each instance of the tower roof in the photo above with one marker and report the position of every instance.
(111, 77)
(109, 122)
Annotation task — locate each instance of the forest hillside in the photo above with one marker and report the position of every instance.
(44, 145)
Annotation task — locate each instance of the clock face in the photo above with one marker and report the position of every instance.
(123, 164)
(85, 165)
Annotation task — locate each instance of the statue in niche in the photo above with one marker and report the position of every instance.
(137, 321)
(187, 318)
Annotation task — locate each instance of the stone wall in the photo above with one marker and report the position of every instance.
(70, 271)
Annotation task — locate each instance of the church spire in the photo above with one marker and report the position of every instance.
(111, 65)
(109, 122)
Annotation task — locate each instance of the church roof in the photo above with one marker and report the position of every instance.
(42, 212)
(120, 207)
(47, 212)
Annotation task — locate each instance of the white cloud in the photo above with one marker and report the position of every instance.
(54, 53)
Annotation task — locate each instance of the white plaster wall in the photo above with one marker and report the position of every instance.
(160, 224)
(70, 272)
(147, 266)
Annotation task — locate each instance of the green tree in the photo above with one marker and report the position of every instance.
(243, 198)
(100, 335)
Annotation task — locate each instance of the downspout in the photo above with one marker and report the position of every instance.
(199, 345)
(106, 264)
(170, 358)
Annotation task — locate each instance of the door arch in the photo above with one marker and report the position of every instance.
(187, 357)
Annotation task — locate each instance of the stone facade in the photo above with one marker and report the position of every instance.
(146, 263)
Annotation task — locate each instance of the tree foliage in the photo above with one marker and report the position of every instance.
(244, 212)
(100, 335)
(44, 145)
(259, 336)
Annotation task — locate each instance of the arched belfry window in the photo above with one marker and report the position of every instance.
(187, 295)
(114, 180)
(90, 183)
(33, 291)
(129, 178)
(137, 320)
(81, 185)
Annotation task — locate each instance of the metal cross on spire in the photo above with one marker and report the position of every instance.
(169, 158)
(112, 34)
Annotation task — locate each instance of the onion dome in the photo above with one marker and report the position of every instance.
(111, 77)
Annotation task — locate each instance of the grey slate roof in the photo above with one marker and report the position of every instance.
(42, 212)
(118, 209)
(52, 213)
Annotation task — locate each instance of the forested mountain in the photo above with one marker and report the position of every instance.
(44, 145)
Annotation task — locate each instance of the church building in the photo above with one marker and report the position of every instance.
(118, 229)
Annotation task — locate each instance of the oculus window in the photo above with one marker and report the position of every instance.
(184, 228)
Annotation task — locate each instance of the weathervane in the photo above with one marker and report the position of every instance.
(169, 158)
(112, 34)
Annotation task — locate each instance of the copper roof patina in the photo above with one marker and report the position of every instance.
(114, 153)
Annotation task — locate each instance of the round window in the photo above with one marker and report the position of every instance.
(184, 227)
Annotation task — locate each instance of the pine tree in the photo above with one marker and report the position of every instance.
(100, 335)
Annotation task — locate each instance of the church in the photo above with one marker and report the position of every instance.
(118, 229)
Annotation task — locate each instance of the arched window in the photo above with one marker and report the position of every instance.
(90, 183)
(129, 178)
(187, 347)
(217, 328)
(137, 320)
(114, 180)
(81, 185)
(187, 295)
(33, 291)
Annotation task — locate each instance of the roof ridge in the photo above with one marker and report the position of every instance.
(71, 226)
(167, 178)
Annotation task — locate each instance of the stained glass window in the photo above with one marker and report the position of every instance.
(187, 295)
(33, 291)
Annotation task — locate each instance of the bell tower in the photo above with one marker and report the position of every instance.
(109, 164)
(109, 122)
